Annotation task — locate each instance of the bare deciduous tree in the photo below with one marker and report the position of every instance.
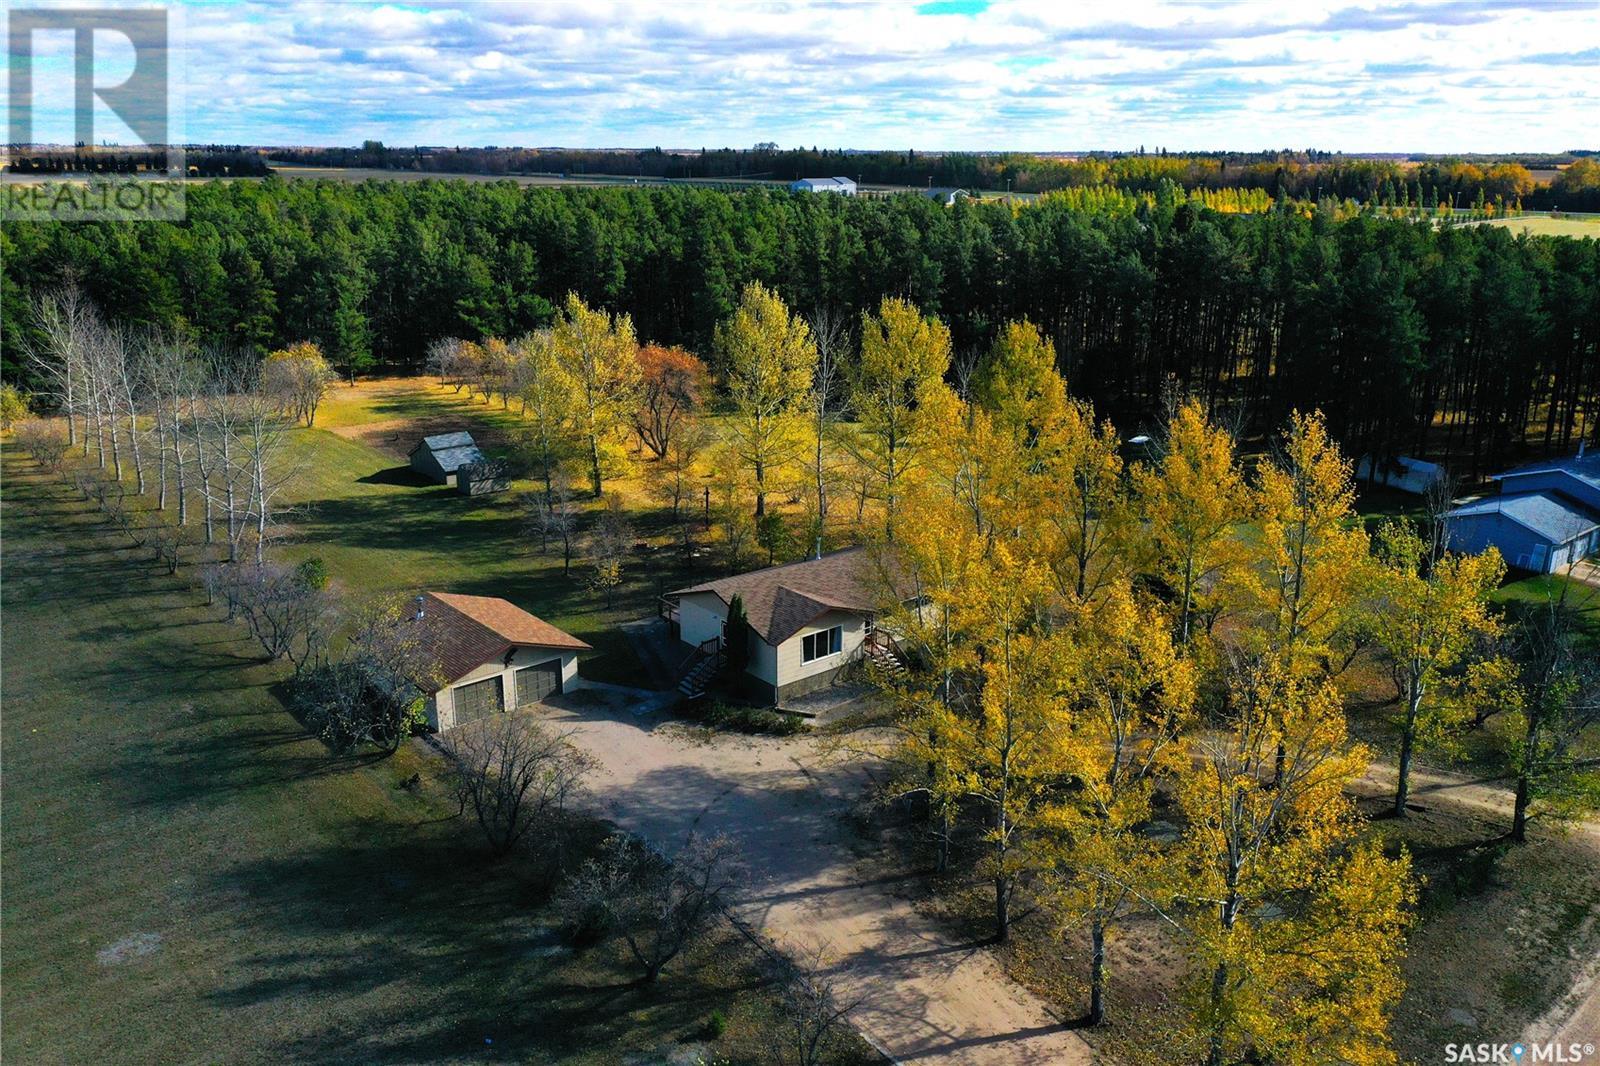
(552, 516)
(656, 905)
(288, 616)
(813, 1011)
(514, 775)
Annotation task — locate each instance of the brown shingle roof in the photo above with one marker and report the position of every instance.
(781, 600)
(469, 631)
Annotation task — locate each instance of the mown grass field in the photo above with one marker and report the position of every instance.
(1545, 226)
(380, 530)
(190, 878)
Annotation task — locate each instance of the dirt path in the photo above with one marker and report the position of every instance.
(921, 996)
(1575, 1017)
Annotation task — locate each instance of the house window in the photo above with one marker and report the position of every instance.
(820, 645)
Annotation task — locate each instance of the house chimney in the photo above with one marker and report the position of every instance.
(819, 547)
(419, 608)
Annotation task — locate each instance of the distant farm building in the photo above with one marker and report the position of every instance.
(842, 186)
(493, 657)
(1402, 473)
(1545, 516)
(945, 195)
(438, 457)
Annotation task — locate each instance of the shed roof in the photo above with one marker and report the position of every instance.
(469, 631)
(455, 458)
(780, 600)
(1547, 514)
(443, 441)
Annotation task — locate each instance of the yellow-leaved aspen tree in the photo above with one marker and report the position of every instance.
(600, 354)
(768, 364)
(1000, 743)
(1311, 558)
(1131, 697)
(1192, 500)
(1295, 925)
(903, 353)
(1432, 620)
(551, 402)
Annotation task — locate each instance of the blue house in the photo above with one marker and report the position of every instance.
(1545, 516)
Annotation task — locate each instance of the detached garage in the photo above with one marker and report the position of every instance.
(493, 657)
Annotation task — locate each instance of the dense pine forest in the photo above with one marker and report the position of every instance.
(1389, 326)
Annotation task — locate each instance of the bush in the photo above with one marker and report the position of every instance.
(13, 406)
(753, 720)
(312, 574)
(44, 442)
(715, 1026)
(657, 905)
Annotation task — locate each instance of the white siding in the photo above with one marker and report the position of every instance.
(763, 660)
(700, 617)
(789, 667)
(441, 706)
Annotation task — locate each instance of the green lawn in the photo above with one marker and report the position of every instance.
(190, 878)
(378, 530)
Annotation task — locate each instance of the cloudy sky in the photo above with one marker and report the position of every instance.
(1449, 76)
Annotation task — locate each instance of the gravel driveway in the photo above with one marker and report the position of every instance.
(922, 997)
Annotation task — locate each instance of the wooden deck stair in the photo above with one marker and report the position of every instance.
(883, 654)
(700, 669)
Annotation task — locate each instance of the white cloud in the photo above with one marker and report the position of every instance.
(1455, 75)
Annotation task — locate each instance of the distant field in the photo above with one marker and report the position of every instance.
(1545, 226)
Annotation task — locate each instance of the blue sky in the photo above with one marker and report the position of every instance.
(1447, 76)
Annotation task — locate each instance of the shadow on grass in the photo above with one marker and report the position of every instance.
(401, 477)
(422, 906)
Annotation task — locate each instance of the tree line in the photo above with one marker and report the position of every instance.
(1307, 175)
(1393, 328)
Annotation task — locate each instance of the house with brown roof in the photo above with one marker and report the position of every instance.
(808, 620)
(493, 656)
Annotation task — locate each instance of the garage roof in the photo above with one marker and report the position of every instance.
(469, 631)
(1547, 514)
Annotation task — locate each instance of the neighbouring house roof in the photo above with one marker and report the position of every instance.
(1547, 514)
(469, 631)
(1585, 468)
(781, 600)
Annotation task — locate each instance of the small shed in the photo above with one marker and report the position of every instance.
(945, 195)
(1403, 473)
(482, 478)
(439, 456)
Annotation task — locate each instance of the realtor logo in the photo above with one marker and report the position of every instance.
(121, 162)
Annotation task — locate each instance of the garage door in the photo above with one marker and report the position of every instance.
(536, 682)
(479, 700)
